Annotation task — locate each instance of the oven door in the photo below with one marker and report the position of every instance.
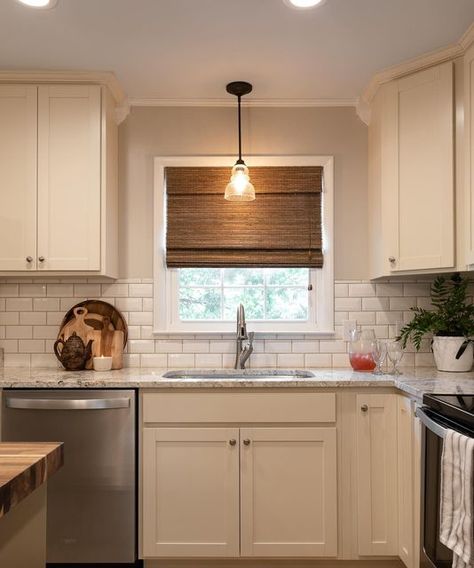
(433, 554)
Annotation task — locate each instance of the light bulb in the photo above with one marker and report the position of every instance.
(304, 3)
(239, 188)
(45, 4)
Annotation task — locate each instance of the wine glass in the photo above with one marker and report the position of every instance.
(395, 353)
(378, 354)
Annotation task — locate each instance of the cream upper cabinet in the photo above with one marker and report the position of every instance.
(469, 153)
(411, 178)
(58, 157)
(18, 150)
(69, 183)
(191, 492)
(288, 492)
(377, 497)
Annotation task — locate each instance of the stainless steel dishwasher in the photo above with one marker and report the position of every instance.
(91, 509)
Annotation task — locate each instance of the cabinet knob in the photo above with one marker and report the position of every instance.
(41, 258)
(29, 259)
(391, 259)
(246, 442)
(364, 408)
(232, 442)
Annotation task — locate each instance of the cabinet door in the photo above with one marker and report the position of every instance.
(69, 183)
(418, 170)
(288, 492)
(377, 498)
(406, 481)
(190, 492)
(469, 151)
(18, 106)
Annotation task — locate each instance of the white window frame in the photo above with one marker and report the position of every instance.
(165, 306)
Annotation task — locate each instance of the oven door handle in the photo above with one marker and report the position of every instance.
(431, 424)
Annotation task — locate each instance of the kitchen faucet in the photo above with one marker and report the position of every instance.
(242, 352)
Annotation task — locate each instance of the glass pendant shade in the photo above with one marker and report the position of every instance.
(239, 188)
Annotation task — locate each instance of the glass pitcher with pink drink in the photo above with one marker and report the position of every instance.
(361, 349)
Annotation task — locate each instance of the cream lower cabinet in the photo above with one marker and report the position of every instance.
(288, 492)
(272, 474)
(191, 492)
(229, 492)
(377, 484)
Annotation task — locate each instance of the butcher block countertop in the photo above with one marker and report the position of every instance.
(24, 466)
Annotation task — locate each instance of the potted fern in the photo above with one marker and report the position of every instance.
(451, 322)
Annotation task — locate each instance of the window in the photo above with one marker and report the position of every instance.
(268, 294)
(194, 300)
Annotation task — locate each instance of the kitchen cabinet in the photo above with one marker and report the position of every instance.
(211, 490)
(69, 177)
(377, 484)
(411, 177)
(406, 481)
(18, 149)
(469, 153)
(58, 153)
(269, 474)
(191, 492)
(288, 492)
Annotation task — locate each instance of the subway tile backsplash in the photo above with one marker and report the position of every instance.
(31, 311)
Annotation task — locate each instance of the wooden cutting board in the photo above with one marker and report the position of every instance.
(77, 325)
(107, 343)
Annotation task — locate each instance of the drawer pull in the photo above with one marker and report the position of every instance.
(364, 408)
(232, 442)
(246, 442)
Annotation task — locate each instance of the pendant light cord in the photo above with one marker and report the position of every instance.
(240, 161)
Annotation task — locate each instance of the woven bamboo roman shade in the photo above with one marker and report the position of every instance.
(281, 228)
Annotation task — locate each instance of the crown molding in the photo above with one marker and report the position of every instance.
(106, 78)
(227, 102)
(409, 66)
(467, 39)
(419, 63)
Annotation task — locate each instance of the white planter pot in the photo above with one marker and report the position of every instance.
(445, 350)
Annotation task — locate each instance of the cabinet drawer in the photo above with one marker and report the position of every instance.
(234, 406)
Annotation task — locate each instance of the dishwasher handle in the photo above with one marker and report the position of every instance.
(66, 403)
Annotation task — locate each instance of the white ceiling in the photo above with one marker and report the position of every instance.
(190, 49)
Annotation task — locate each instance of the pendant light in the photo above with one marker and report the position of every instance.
(239, 188)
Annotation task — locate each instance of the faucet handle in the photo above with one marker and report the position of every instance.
(251, 336)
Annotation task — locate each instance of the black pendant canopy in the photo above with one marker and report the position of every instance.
(239, 188)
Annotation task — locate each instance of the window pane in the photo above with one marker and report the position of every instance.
(200, 304)
(251, 298)
(243, 277)
(287, 276)
(199, 276)
(287, 304)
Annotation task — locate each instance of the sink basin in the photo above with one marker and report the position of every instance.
(235, 374)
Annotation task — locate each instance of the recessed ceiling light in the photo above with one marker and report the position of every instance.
(41, 4)
(304, 3)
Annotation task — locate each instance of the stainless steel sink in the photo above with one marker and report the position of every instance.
(231, 374)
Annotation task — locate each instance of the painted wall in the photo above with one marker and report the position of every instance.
(150, 132)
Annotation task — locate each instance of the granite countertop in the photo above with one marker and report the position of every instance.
(413, 382)
(24, 466)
